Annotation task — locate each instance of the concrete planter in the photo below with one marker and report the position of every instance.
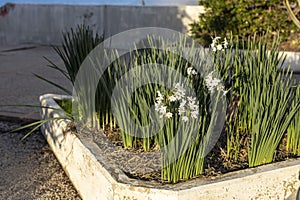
(292, 60)
(94, 179)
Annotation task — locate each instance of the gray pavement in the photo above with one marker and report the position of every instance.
(18, 85)
(28, 169)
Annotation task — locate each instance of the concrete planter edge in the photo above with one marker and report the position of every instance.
(93, 181)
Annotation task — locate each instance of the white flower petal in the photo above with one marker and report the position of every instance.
(179, 92)
(225, 43)
(185, 118)
(172, 98)
(168, 115)
(219, 47)
(189, 70)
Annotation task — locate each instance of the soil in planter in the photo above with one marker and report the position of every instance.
(138, 164)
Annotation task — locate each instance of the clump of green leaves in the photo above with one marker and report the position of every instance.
(242, 18)
(66, 105)
(259, 87)
(76, 45)
(264, 98)
(182, 120)
(263, 92)
(293, 132)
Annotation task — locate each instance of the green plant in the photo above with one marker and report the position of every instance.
(254, 77)
(76, 45)
(242, 18)
(184, 125)
(179, 103)
(66, 105)
(293, 132)
(263, 92)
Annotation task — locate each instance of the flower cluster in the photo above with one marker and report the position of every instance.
(187, 104)
(216, 45)
(191, 71)
(214, 83)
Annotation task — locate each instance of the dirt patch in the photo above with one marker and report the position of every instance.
(29, 169)
(142, 165)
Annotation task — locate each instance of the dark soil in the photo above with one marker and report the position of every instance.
(28, 168)
(217, 162)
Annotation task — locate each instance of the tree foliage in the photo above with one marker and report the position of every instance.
(242, 18)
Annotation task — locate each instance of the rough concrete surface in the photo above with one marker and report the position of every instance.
(29, 169)
(42, 24)
(18, 85)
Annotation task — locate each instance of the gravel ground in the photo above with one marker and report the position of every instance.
(29, 169)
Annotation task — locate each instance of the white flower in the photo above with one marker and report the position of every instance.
(193, 107)
(188, 107)
(159, 97)
(211, 82)
(191, 71)
(179, 92)
(225, 43)
(191, 101)
(216, 45)
(172, 98)
(219, 47)
(162, 109)
(194, 114)
(214, 83)
(181, 109)
(168, 115)
(216, 39)
(159, 107)
(185, 118)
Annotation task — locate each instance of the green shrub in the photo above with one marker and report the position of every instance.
(242, 18)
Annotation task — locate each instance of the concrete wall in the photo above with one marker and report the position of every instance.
(43, 24)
